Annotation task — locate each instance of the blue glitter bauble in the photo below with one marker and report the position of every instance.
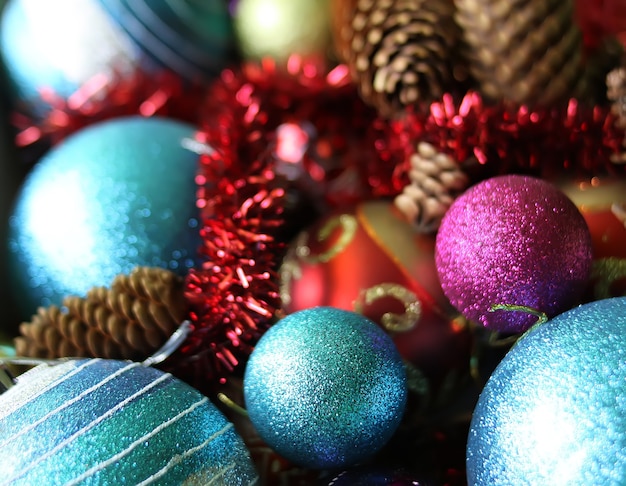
(60, 46)
(113, 422)
(193, 38)
(113, 196)
(554, 410)
(325, 387)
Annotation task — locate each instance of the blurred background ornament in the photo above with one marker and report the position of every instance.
(325, 388)
(116, 195)
(373, 476)
(602, 202)
(553, 411)
(193, 38)
(60, 47)
(278, 29)
(527, 52)
(513, 241)
(126, 422)
(369, 259)
(436, 180)
(399, 53)
(130, 320)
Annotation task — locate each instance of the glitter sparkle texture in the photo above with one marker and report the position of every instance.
(512, 240)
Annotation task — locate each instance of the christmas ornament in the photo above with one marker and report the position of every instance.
(44, 47)
(193, 39)
(114, 196)
(374, 477)
(602, 202)
(436, 180)
(510, 249)
(399, 53)
(553, 411)
(599, 19)
(279, 28)
(528, 52)
(115, 422)
(325, 388)
(130, 320)
(371, 261)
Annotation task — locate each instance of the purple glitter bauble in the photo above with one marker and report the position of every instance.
(513, 241)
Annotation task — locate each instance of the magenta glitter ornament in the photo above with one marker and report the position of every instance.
(513, 241)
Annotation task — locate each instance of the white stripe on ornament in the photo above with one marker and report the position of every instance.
(77, 398)
(179, 457)
(88, 427)
(132, 446)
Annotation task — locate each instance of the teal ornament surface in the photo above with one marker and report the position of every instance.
(325, 388)
(116, 195)
(60, 46)
(114, 422)
(554, 410)
(193, 38)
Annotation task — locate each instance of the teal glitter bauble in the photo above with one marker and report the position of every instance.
(113, 196)
(325, 387)
(113, 422)
(554, 410)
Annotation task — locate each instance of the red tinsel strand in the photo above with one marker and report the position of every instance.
(504, 138)
(104, 97)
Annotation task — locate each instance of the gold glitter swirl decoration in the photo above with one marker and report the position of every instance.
(392, 322)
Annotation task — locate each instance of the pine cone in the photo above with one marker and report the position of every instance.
(400, 52)
(524, 51)
(616, 93)
(130, 320)
(436, 180)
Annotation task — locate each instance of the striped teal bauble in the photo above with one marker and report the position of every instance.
(110, 422)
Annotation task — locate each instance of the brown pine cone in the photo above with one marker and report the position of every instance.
(524, 51)
(130, 320)
(616, 93)
(436, 180)
(400, 52)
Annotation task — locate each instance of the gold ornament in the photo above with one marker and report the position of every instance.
(436, 180)
(526, 52)
(130, 320)
(400, 52)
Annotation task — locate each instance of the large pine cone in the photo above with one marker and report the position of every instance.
(400, 52)
(524, 51)
(130, 320)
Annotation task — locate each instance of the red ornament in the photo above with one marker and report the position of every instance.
(371, 261)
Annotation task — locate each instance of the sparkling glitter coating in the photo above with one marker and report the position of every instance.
(513, 240)
(113, 196)
(554, 410)
(113, 422)
(325, 387)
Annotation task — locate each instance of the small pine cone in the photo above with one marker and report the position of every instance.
(524, 51)
(436, 180)
(400, 52)
(616, 93)
(130, 320)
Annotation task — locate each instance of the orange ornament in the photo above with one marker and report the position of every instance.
(602, 202)
(370, 260)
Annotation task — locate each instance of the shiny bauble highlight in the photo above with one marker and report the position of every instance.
(113, 196)
(553, 412)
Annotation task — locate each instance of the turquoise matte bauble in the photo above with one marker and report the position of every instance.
(193, 38)
(60, 45)
(554, 410)
(325, 387)
(113, 196)
(111, 423)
